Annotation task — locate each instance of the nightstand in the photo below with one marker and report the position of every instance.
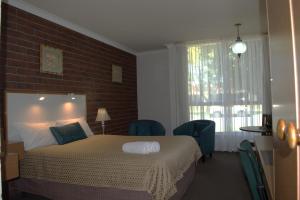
(11, 166)
(15, 152)
(17, 148)
(100, 133)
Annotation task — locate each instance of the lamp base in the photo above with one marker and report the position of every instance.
(103, 127)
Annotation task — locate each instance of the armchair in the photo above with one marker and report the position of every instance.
(146, 128)
(204, 133)
(252, 171)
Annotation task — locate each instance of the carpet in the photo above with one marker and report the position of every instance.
(219, 178)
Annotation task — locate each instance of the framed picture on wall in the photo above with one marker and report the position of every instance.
(51, 60)
(117, 74)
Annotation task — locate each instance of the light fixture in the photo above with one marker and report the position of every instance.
(102, 116)
(238, 47)
(72, 95)
(42, 98)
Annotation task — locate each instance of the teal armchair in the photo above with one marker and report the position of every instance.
(146, 128)
(204, 133)
(252, 171)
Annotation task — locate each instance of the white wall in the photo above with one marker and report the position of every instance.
(153, 87)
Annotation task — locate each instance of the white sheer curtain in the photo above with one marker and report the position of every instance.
(226, 89)
(178, 70)
(230, 91)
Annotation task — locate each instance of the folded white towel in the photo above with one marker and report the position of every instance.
(141, 147)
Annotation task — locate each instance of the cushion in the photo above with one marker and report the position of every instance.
(35, 134)
(84, 125)
(68, 133)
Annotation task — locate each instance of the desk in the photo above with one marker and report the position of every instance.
(257, 129)
(264, 147)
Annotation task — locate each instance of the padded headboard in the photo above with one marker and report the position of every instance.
(24, 107)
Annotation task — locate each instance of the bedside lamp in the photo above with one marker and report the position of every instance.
(102, 116)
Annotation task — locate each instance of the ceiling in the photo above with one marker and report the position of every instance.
(144, 25)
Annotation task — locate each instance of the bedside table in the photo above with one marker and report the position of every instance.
(17, 148)
(11, 166)
(15, 152)
(100, 133)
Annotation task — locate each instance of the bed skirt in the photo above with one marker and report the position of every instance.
(62, 191)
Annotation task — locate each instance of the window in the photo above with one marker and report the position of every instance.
(224, 88)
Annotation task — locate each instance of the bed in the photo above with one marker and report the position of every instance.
(98, 164)
(97, 168)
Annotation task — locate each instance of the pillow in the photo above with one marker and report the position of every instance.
(13, 134)
(84, 125)
(35, 134)
(68, 133)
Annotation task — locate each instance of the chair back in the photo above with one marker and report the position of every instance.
(203, 131)
(246, 145)
(146, 128)
(194, 127)
(201, 125)
(252, 170)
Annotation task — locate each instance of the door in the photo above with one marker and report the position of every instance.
(2, 78)
(283, 25)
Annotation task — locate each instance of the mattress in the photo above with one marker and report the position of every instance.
(99, 162)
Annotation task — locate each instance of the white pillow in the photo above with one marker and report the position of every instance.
(36, 134)
(84, 125)
(13, 135)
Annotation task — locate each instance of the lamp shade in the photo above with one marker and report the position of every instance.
(102, 115)
(239, 47)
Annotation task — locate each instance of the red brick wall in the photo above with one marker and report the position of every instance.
(86, 61)
(2, 104)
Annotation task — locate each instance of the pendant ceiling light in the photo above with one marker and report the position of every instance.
(238, 47)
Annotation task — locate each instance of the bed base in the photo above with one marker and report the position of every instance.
(62, 191)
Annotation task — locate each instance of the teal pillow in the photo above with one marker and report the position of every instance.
(68, 133)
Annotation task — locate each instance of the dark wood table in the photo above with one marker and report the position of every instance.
(257, 129)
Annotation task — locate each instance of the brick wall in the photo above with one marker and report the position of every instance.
(1, 101)
(86, 61)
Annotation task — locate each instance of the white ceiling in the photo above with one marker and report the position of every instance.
(144, 25)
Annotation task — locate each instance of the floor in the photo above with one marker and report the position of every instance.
(218, 178)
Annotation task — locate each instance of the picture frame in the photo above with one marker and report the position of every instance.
(51, 60)
(117, 74)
